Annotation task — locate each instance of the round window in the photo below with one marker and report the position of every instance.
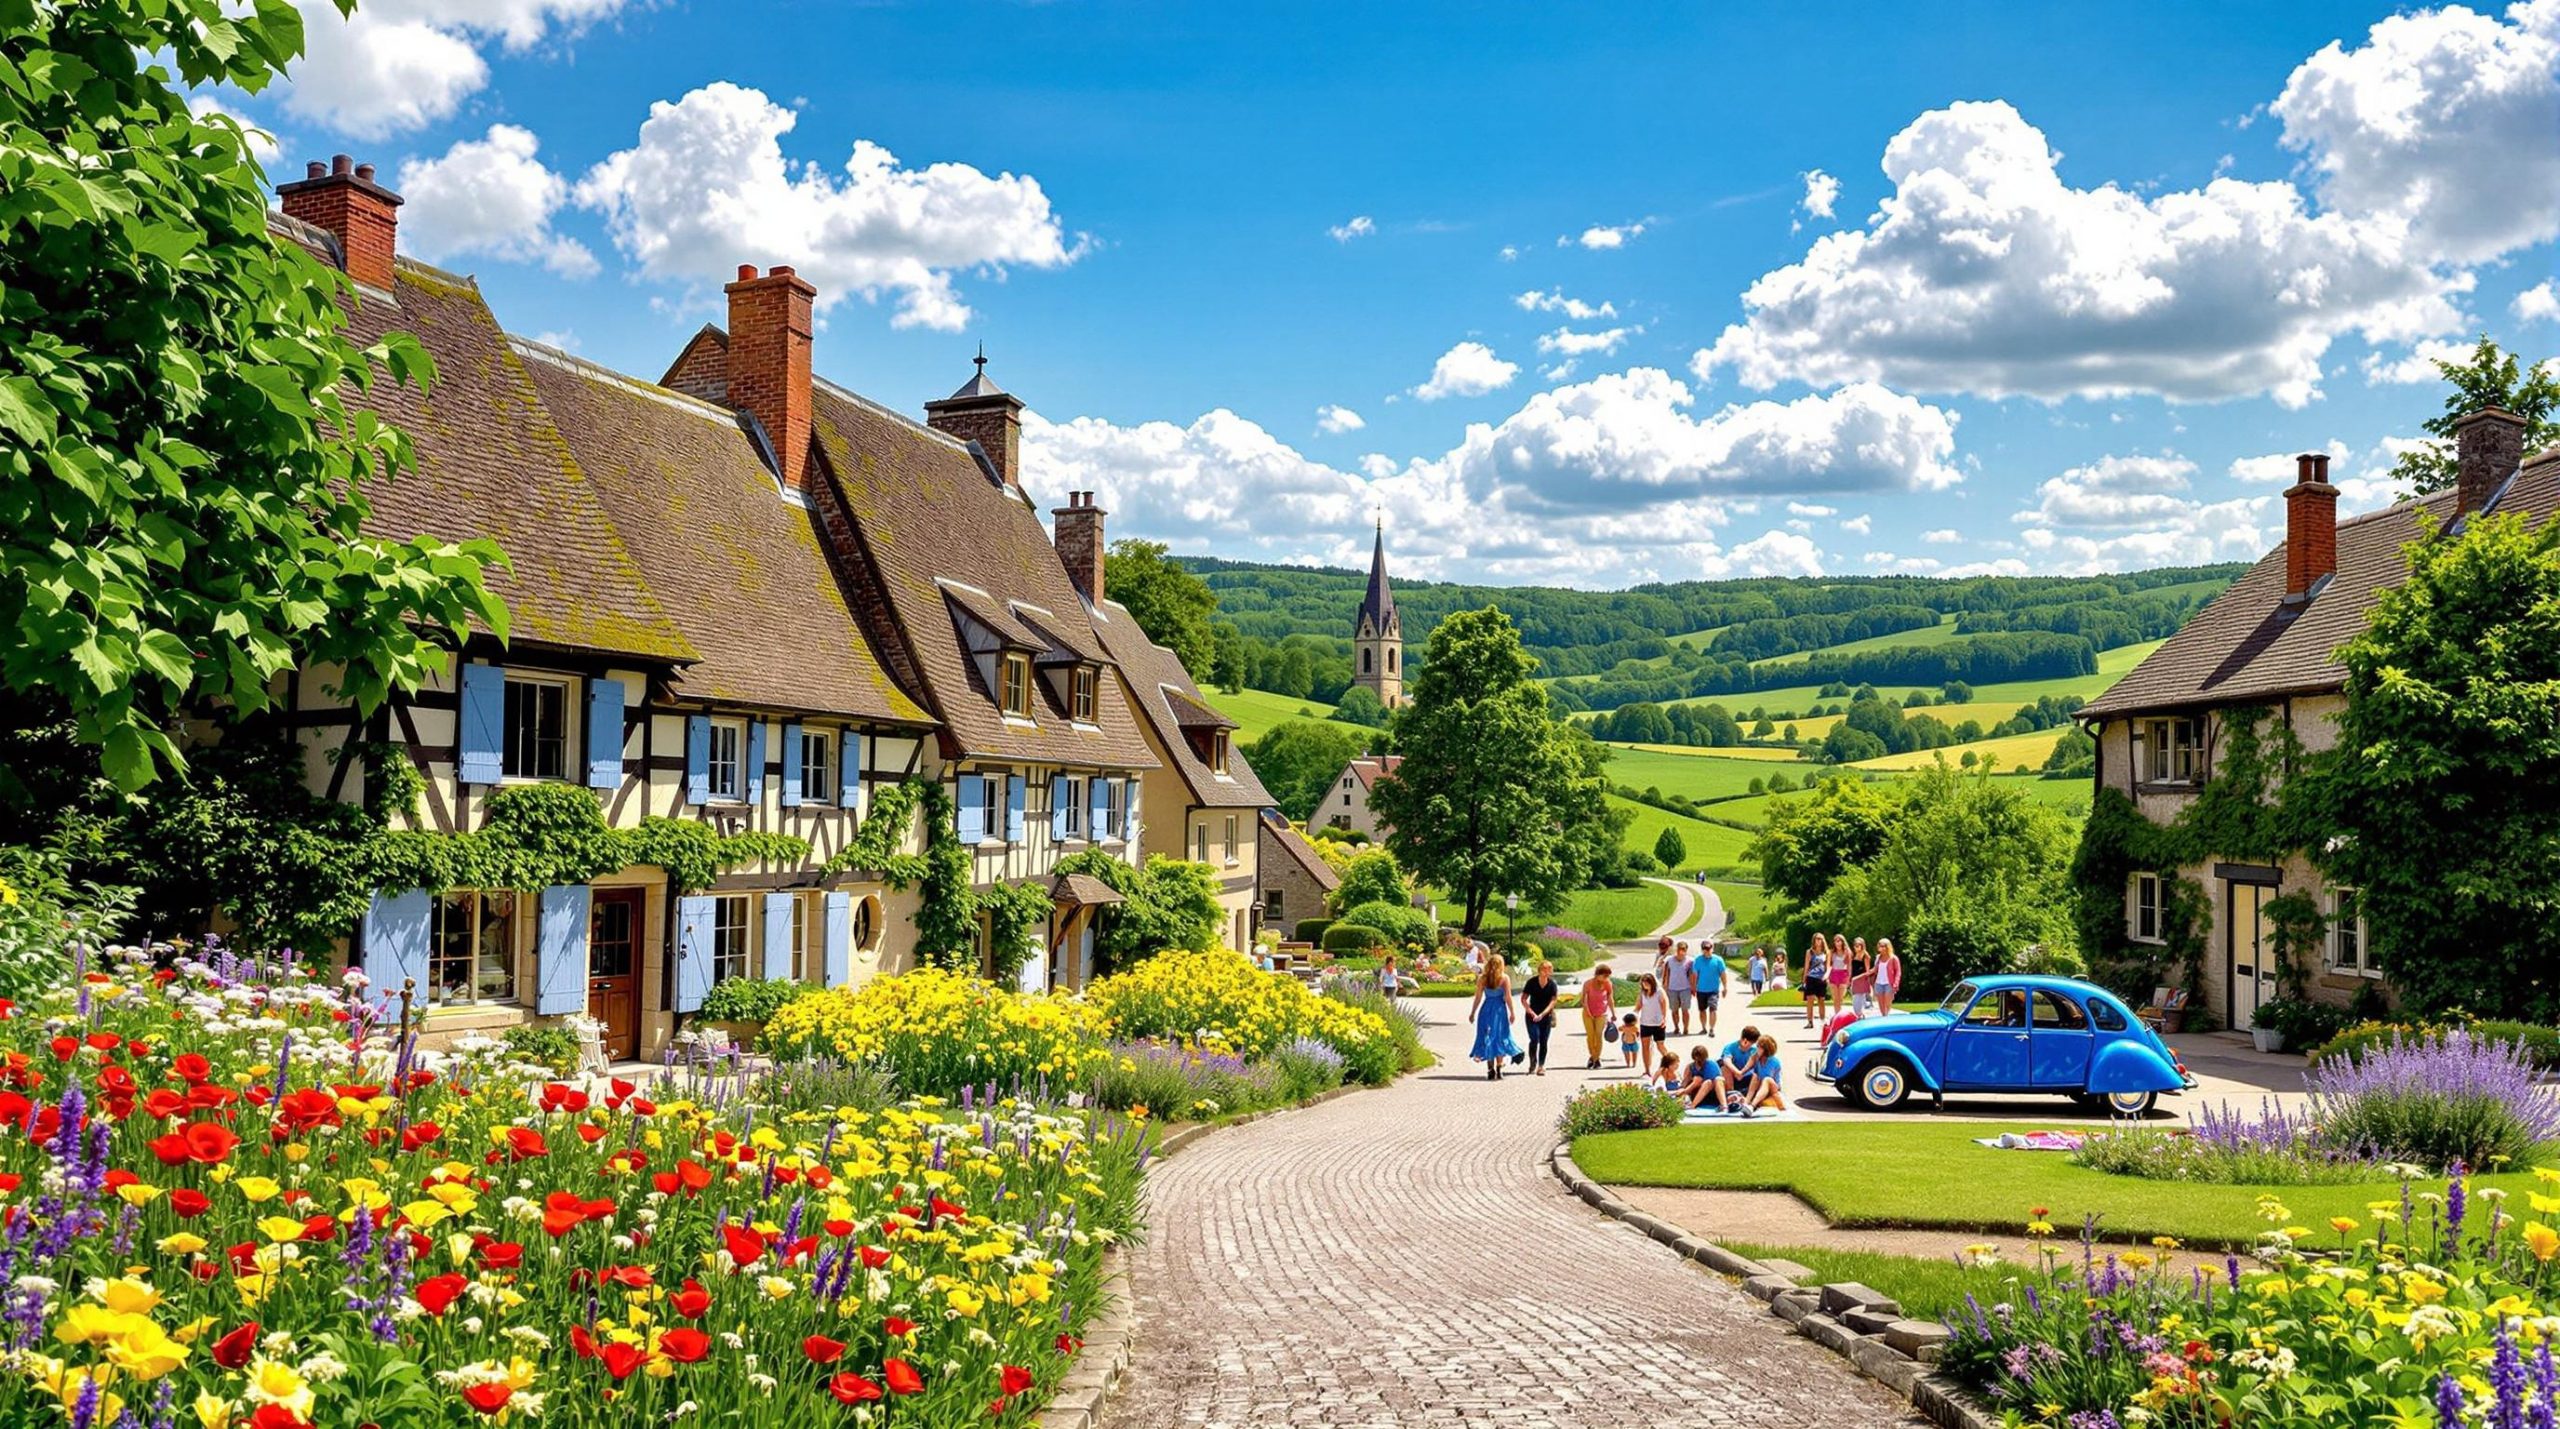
(866, 924)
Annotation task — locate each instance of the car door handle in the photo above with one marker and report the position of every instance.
(2017, 1037)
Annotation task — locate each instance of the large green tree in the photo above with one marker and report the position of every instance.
(183, 456)
(1494, 794)
(1299, 759)
(1806, 843)
(2492, 378)
(2438, 794)
(1171, 604)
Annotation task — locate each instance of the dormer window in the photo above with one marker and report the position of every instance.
(1082, 685)
(1218, 751)
(1014, 692)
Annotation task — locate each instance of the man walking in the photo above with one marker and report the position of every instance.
(1709, 975)
(1677, 984)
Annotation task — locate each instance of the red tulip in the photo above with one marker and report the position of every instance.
(621, 1359)
(692, 1301)
(490, 1397)
(582, 1342)
(902, 1377)
(822, 1350)
(209, 1143)
(1015, 1380)
(438, 1292)
(502, 1255)
(191, 1067)
(233, 1350)
(850, 1388)
(898, 1329)
(873, 1257)
(744, 1244)
(276, 1416)
(684, 1345)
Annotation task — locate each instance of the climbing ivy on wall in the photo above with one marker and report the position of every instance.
(947, 918)
(546, 835)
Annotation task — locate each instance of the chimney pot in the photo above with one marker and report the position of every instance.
(365, 172)
(315, 169)
(769, 363)
(746, 272)
(782, 270)
(341, 164)
(1077, 530)
(2310, 526)
(342, 199)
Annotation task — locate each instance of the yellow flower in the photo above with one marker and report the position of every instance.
(2343, 1224)
(182, 1243)
(135, 1193)
(2420, 1291)
(424, 1214)
(129, 1296)
(273, 1382)
(213, 1412)
(775, 1287)
(280, 1229)
(964, 1301)
(2542, 1240)
(145, 1351)
(2164, 1242)
(258, 1188)
(2134, 1260)
(93, 1324)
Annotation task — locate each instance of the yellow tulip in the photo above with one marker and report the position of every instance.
(182, 1243)
(280, 1229)
(135, 1193)
(212, 1412)
(273, 1382)
(2542, 1240)
(259, 1188)
(129, 1296)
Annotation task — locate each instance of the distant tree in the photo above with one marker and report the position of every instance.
(1373, 877)
(1763, 729)
(2075, 753)
(1299, 760)
(1360, 706)
(1848, 744)
(1294, 675)
(1669, 848)
(1229, 667)
(2492, 378)
(1759, 786)
(1169, 603)
(1788, 735)
(1957, 692)
(1494, 796)
(1779, 783)
(2439, 797)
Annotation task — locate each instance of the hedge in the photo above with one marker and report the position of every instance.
(1352, 938)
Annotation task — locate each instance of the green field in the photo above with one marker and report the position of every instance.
(1617, 914)
(1256, 711)
(2005, 753)
(2112, 665)
(1691, 776)
(1942, 633)
(1710, 845)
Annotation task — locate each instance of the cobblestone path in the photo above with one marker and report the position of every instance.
(1405, 1257)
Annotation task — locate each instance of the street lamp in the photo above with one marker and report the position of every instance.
(1511, 908)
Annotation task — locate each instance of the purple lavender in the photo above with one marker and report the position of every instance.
(2506, 1381)
(2448, 1403)
(2456, 1200)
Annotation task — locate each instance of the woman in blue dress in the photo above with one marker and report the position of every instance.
(1495, 1046)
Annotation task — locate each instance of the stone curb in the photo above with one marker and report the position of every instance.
(1827, 1315)
(1105, 1365)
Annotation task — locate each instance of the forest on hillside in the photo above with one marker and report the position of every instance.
(1286, 629)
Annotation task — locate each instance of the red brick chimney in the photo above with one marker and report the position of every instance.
(1079, 537)
(984, 413)
(2488, 445)
(2310, 526)
(365, 217)
(769, 324)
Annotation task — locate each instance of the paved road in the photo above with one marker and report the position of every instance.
(1404, 1257)
(1696, 911)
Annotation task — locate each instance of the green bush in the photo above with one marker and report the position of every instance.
(1402, 1024)
(749, 999)
(1406, 927)
(1311, 930)
(1623, 1106)
(2541, 1044)
(1353, 938)
(545, 1044)
(1372, 877)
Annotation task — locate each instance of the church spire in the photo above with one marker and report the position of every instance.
(1378, 609)
(1377, 637)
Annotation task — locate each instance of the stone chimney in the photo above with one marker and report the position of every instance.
(342, 197)
(769, 326)
(984, 413)
(2310, 526)
(1078, 526)
(2487, 447)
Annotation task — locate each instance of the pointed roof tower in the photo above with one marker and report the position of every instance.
(1378, 608)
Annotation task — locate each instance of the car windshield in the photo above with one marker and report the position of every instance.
(1958, 999)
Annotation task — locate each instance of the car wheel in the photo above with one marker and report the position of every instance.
(1881, 1085)
(2129, 1104)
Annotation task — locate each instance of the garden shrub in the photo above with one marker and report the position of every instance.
(1407, 927)
(1220, 999)
(1308, 1068)
(1354, 938)
(1312, 930)
(749, 999)
(2541, 1044)
(1622, 1106)
(1373, 876)
(938, 1031)
(2448, 1099)
(545, 1044)
(1356, 990)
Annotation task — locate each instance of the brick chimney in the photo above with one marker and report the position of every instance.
(769, 323)
(342, 197)
(1079, 536)
(2310, 526)
(2487, 447)
(984, 413)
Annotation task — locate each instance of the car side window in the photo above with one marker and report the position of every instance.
(2059, 1013)
(2105, 1015)
(1996, 1009)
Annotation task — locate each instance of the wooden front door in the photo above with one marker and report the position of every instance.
(2253, 958)
(613, 969)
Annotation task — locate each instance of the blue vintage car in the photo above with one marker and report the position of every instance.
(2010, 1033)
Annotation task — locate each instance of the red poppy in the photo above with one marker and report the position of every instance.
(902, 1377)
(822, 1350)
(64, 1048)
(590, 1133)
(191, 1067)
(898, 1329)
(320, 1227)
(692, 1301)
(502, 1255)
(873, 1257)
(208, 1143)
(162, 1103)
(684, 1345)
(1069, 1344)
(490, 1397)
(629, 1277)
(276, 1416)
(944, 1210)
(306, 1109)
(850, 1388)
(105, 1041)
(524, 1143)
(582, 1342)
(621, 1359)
(419, 1133)
(744, 1244)
(1015, 1379)
(838, 1229)
(560, 1097)
(438, 1292)
(233, 1350)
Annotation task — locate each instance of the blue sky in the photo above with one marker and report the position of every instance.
(1591, 294)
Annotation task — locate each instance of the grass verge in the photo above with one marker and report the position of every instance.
(1926, 1289)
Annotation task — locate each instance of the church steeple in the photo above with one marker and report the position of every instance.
(1377, 635)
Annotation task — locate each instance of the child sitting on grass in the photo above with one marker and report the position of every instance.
(1763, 1091)
(1666, 1077)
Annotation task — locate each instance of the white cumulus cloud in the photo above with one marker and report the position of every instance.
(2280, 468)
(2539, 303)
(1359, 227)
(1577, 344)
(1334, 419)
(1860, 524)
(1943, 536)
(1554, 301)
(1467, 370)
(1821, 191)
(1602, 236)
(397, 65)
(489, 196)
(2416, 365)
(2131, 512)
(706, 187)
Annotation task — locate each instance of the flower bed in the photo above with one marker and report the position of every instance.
(232, 1199)
(937, 1032)
(2430, 1310)
(1220, 999)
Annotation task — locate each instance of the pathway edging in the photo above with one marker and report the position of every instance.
(1851, 1321)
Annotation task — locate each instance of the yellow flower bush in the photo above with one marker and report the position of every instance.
(1220, 999)
(939, 1031)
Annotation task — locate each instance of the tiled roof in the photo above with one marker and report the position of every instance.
(1163, 689)
(2250, 644)
(1370, 771)
(1192, 713)
(491, 463)
(927, 514)
(1276, 830)
(742, 567)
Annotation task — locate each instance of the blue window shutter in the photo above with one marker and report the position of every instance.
(1098, 809)
(1016, 799)
(839, 939)
(560, 950)
(849, 770)
(755, 761)
(604, 733)
(973, 809)
(1058, 806)
(693, 952)
(791, 766)
(697, 760)
(777, 935)
(481, 737)
(395, 930)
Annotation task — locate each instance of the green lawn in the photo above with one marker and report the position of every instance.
(1942, 633)
(1745, 902)
(1709, 845)
(1613, 914)
(1256, 711)
(1692, 776)
(1926, 1289)
(2112, 665)
(1930, 1174)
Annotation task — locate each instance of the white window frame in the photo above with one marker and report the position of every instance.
(1072, 790)
(507, 767)
(2174, 751)
(2335, 941)
(1200, 841)
(818, 766)
(438, 910)
(2135, 889)
(734, 733)
(731, 922)
(1234, 856)
(1218, 753)
(1116, 814)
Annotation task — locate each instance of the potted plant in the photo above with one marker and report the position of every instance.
(741, 1006)
(2267, 1029)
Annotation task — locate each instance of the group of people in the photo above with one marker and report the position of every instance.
(1744, 1078)
(1841, 976)
(1492, 1012)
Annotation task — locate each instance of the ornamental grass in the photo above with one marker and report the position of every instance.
(234, 1201)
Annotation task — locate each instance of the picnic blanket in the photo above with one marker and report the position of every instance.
(1697, 1116)
(2032, 1141)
